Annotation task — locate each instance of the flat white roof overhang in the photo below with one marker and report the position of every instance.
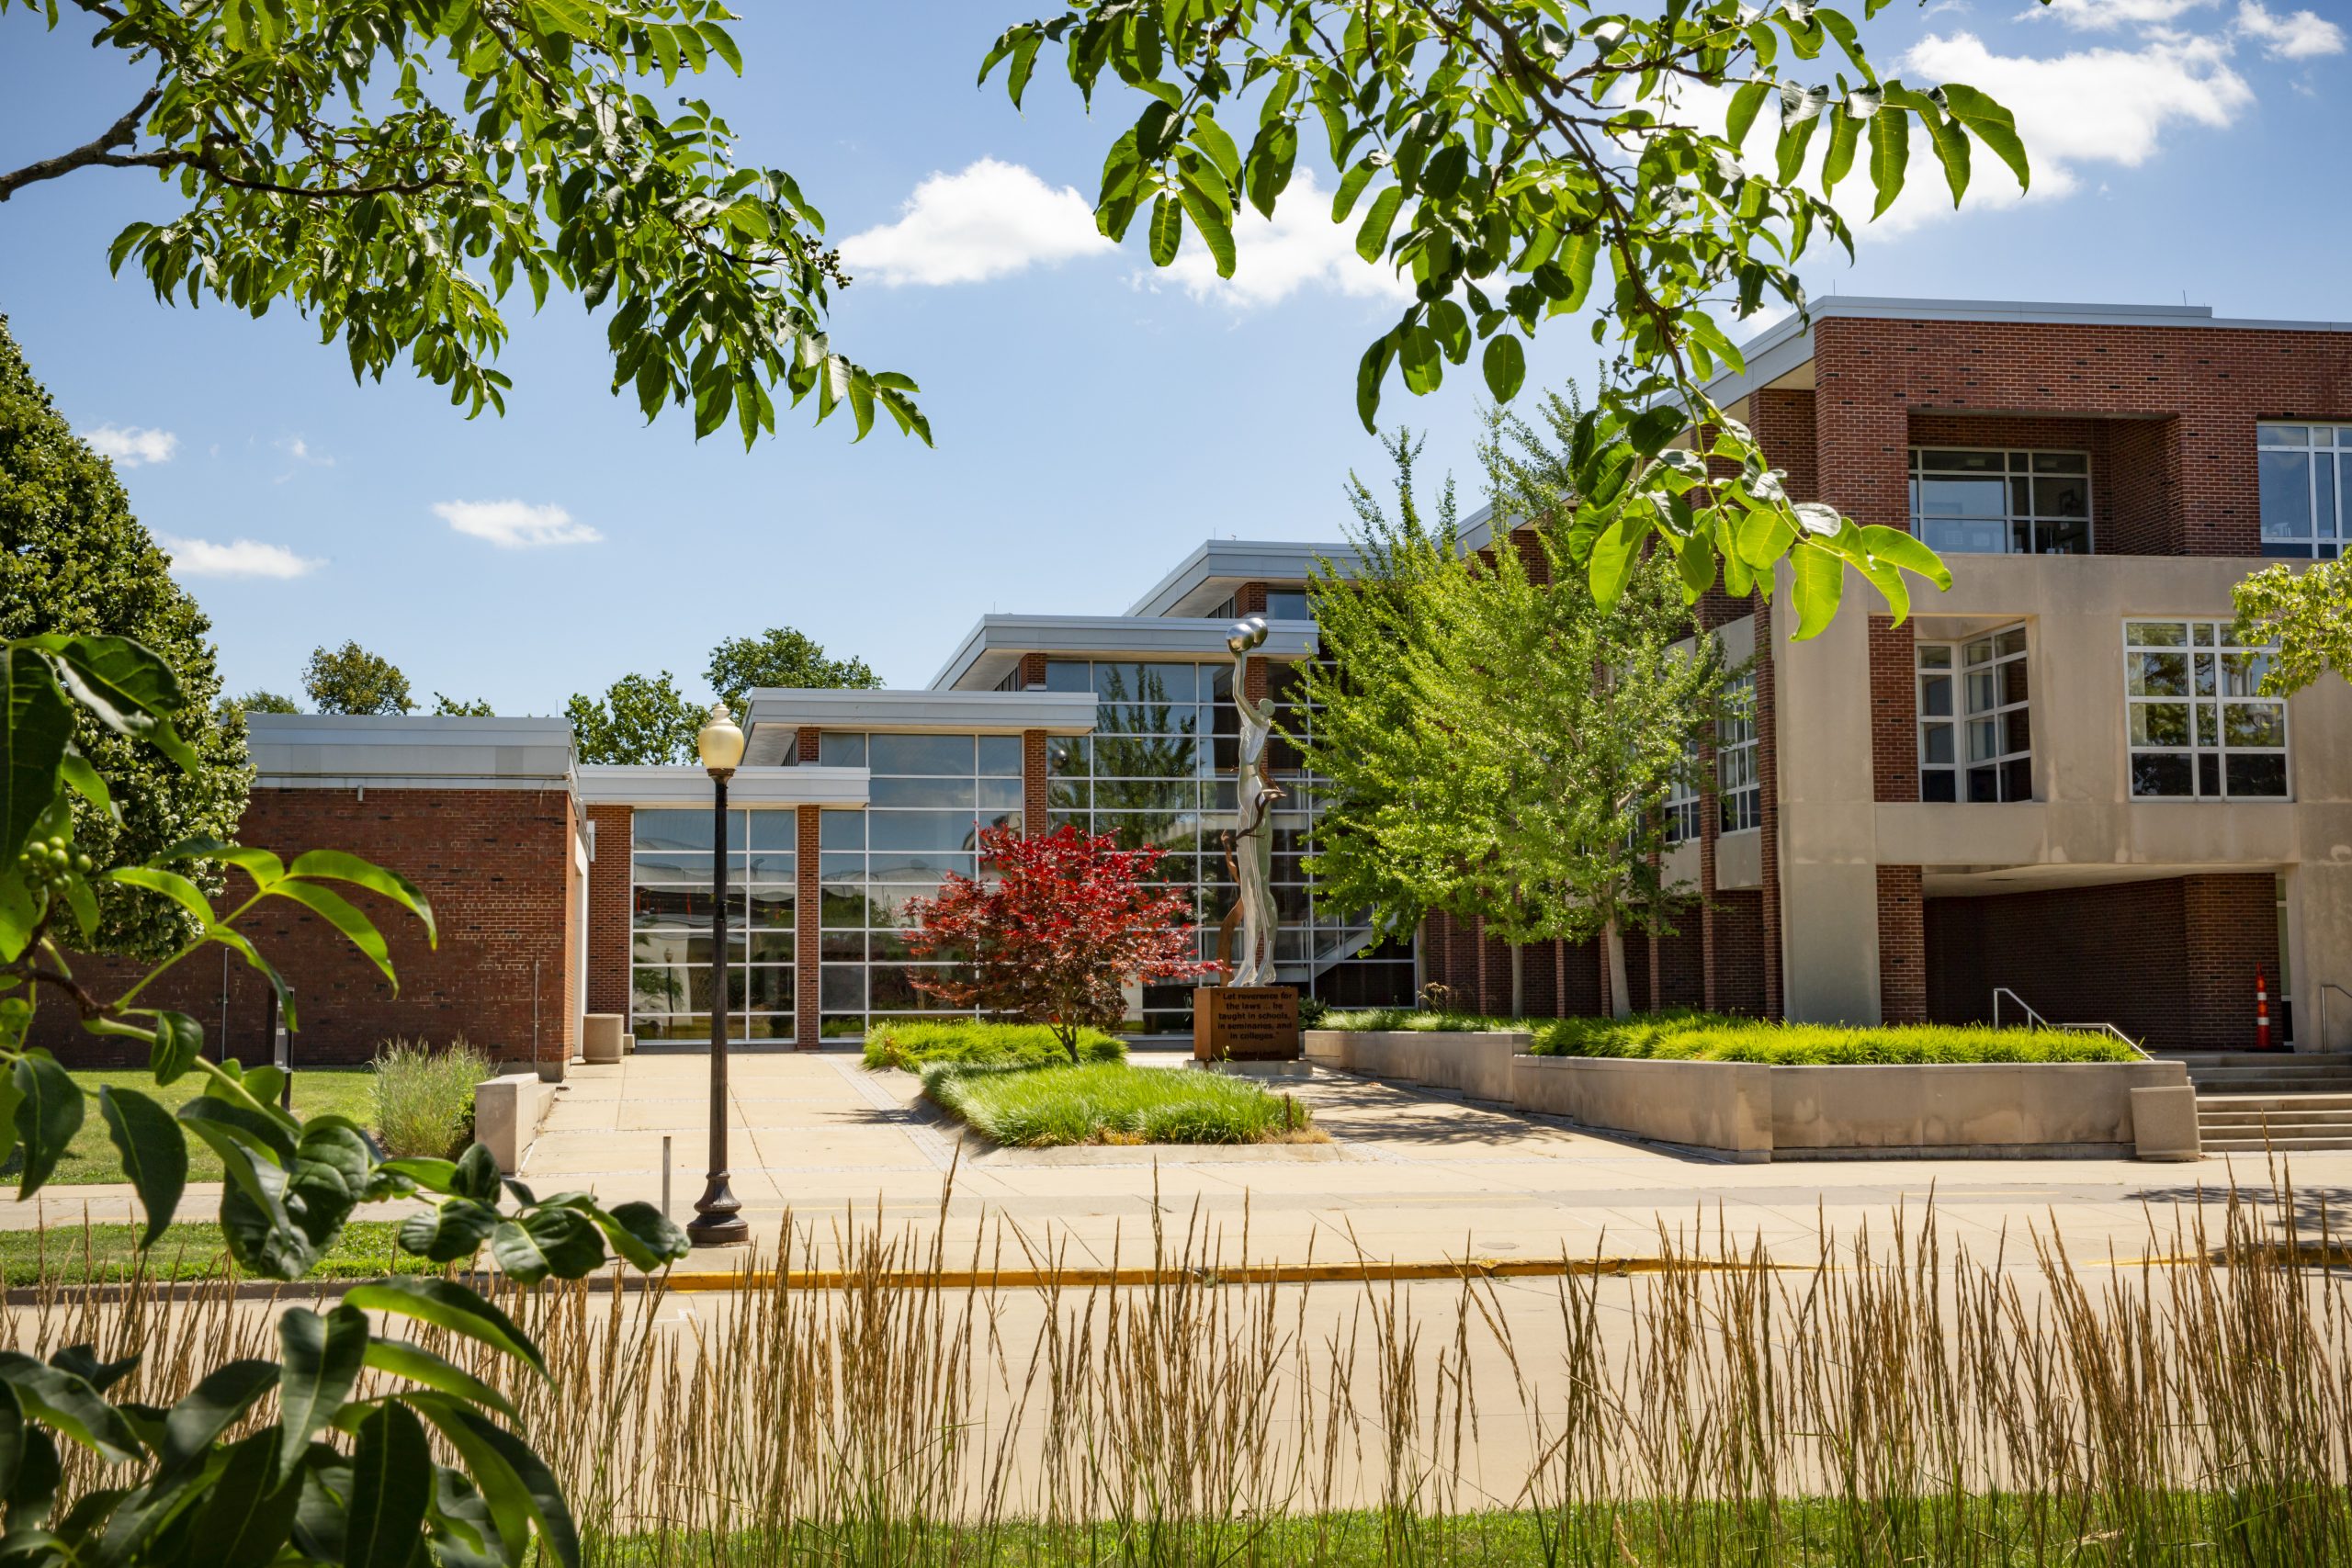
(994, 649)
(778, 712)
(612, 785)
(1209, 575)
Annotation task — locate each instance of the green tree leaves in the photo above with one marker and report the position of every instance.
(639, 719)
(498, 145)
(154, 1154)
(1505, 155)
(351, 680)
(2306, 611)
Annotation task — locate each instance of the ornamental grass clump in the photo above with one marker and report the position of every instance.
(425, 1095)
(1113, 1103)
(982, 1042)
(1714, 1037)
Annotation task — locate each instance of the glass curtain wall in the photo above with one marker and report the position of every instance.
(1159, 770)
(930, 797)
(670, 940)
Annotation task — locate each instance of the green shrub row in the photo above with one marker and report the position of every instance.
(1110, 1102)
(1685, 1035)
(982, 1043)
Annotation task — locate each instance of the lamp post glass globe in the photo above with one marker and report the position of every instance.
(1249, 632)
(719, 741)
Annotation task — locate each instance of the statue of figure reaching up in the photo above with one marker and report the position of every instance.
(1254, 795)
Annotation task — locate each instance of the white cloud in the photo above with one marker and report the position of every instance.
(239, 558)
(514, 524)
(2299, 35)
(299, 450)
(1299, 247)
(991, 220)
(130, 446)
(2095, 14)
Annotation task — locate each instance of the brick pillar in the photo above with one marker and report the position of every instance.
(1034, 767)
(1249, 599)
(2229, 929)
(1033, 670)
(805, 976)
(807, 742)
(608, 911)
(1767, 772)
(1656, 988)
(1902, 946)
(1894, 710)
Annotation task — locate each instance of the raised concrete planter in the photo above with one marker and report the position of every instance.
(507, 1113)
(1753, 1112)
(1478, 1065)
(601, 1037)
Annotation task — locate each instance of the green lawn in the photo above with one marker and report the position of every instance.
(191, 1250)
(346, 1091)
(1110, 1102)
(1682, 1035)
(915, 1045)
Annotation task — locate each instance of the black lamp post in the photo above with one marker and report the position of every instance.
(718, 1219)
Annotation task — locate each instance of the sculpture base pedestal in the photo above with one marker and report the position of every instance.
(1245, 1023)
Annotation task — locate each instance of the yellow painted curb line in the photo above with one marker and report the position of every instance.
(691, 1281)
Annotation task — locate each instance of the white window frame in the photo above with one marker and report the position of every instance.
(1685, 808)
(2327, 451)
(2206, 637)
(1739, 784)
(2017, 463)
(1967, 715)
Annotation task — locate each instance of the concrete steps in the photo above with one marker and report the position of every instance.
(2248, 1101)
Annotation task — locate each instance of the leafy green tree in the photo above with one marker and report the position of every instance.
(338, 1467)
(351, 680)
(259, 701)
(1520, 162)
(1499, 746)
(74, 561)
(780, 656)
(2308, 613)
(391, 169)
(639, 719)
(478, 708)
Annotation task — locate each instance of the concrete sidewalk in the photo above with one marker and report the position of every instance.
(1410, 1175)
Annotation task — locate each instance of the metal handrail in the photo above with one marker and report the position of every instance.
(2325, 987)
(2026, 1008)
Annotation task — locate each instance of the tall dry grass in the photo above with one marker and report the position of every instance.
(1903, 1400)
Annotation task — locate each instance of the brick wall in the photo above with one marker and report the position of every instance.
(1902, 946)
(805, 911)
(2208, 386)
(494, 862)
(1894, 715)
(1033, 670)
(1035, 775)
(608, 911)
(1739, 940)
(2170, 961)
(2229, 929)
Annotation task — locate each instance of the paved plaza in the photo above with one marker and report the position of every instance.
(1410, 1175)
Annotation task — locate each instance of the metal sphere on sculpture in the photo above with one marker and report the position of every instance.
(1249, 632)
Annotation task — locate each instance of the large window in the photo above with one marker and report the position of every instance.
(2198, 731)
(670, 940)
(929, 798)
(1737, 784)
(2305, 488)
(1684, 810)
(1976, 728)
(1991, 502)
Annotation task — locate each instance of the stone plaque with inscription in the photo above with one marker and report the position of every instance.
(1245, 1023)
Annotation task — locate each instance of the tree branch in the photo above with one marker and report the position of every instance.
(97, 151)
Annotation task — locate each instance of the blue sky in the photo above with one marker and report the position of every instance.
(1094, 420)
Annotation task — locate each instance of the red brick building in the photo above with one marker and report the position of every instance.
(2055, 785)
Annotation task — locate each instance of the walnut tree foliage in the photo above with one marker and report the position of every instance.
(2306, 611)
(73, 561)
(393, 168)
(352, 680)
(780, 656)
(1499, 742)
(1520, 161)
(328, 1453)
(639, 719)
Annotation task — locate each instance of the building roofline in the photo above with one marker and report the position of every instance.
(1240, 560)
(1788, 343)
(327, 751)
(1001, 637)
(934, 709)
(685, 785)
